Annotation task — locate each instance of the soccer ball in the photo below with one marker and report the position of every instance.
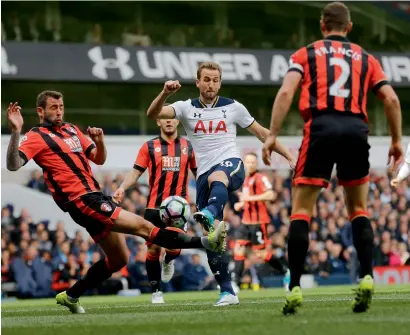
(175, 211)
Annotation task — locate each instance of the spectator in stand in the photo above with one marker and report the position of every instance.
(194, 275)
(94, 35)
(136, 38)
(37, 181)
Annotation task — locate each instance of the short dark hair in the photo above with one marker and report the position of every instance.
(254, 154)
(209, 66)
(336, 16)
(43, 96)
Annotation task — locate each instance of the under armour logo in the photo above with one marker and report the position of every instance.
(217, 273)
(199, 115)
(102, 64)
(224, 113)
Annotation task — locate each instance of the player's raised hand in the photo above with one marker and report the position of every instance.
(119, 195)
(171, 86)
(395, 152)
(15, 117)
(267, 149)
(96, 134)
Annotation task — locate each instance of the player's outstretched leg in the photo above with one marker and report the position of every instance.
(363, 240)
(116, 251)
(218, 197)
(212, 195)
(130, 223)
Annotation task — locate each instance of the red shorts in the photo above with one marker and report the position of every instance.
(95, 212)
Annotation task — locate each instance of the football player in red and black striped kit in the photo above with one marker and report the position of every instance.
(335, 76)
(63, 151)
(256, 191)
(168, 159)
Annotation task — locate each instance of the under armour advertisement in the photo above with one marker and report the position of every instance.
(108, 63)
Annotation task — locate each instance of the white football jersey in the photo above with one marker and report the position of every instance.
(407, 156)
(212, 129)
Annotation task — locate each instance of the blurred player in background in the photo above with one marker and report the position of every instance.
(168, 159)
(256, 190)
(404, 171)
(210, 122)
(63, 151)
(335, 76)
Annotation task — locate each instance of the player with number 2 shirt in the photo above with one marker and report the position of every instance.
(210, 122)
(335, 76)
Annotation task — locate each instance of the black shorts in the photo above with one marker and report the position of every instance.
(329, 139)
(252, 234)
(95, 212)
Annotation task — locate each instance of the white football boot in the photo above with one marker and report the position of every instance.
(167, 271)
(158, 298)
(226, 299)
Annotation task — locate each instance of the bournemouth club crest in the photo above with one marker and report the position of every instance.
(106, 207)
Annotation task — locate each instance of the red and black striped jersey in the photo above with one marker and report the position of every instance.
(168, 164)
(62, 154)
(337, 75)
(256, 211)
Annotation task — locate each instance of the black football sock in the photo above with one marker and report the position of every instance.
(154, 272)
(170, 255)
(95, 275)
(363, 239)
(238, 272)
(171, 239)
(275, 262)
(298, 244)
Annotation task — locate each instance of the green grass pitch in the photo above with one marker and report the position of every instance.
(326, 310)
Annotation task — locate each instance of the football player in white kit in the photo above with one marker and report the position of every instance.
(210, 122)
(404, 171)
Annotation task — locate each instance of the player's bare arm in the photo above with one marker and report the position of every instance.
(14, 161)
(130, 179)
(393, 113)
(157, 110)
(99, 154)
(268, 195)
(262, 134)
(280, 109)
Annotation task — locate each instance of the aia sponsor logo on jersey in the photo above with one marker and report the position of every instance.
(170, 163)
(106, 207)
(74, 144)
(210, 127)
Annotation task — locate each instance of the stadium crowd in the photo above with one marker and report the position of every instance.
(42, 261)
(59, 22)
